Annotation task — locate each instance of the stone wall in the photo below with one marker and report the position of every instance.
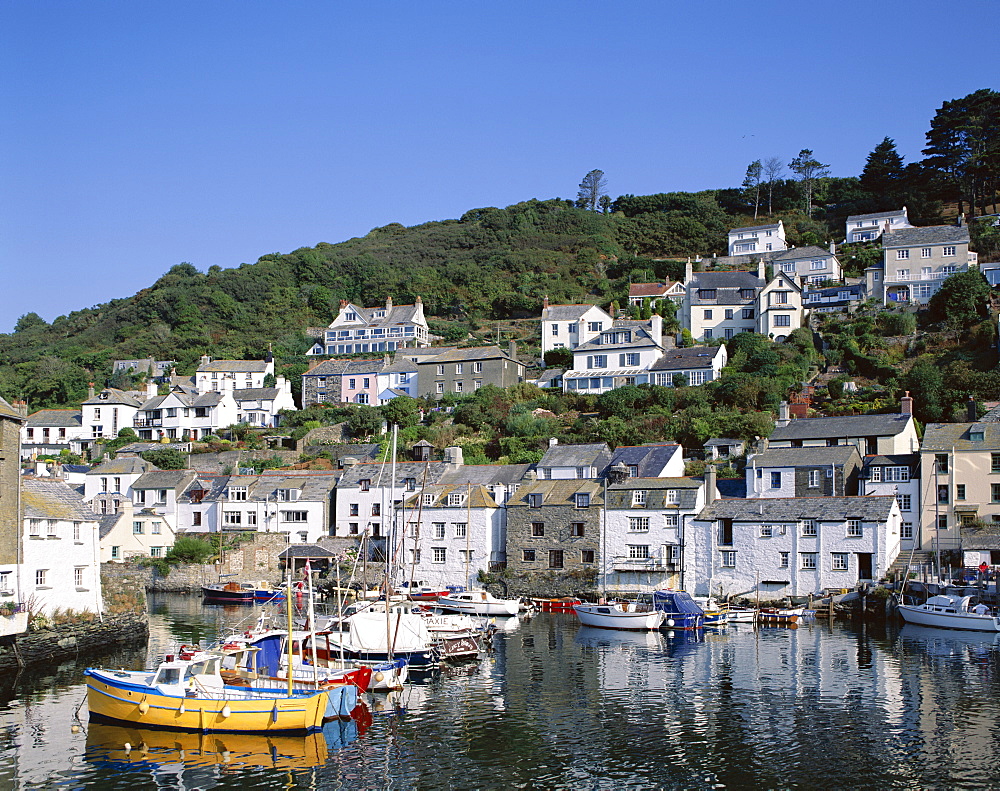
(68, 641)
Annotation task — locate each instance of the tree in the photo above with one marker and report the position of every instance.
(605, 203)
(773, 170)
(166, 458)
(364, 421)
(29, 320)
(559, 358)
(401, 410)
(961, 301)
(592, 188)
(883, 174)
(808, 169)
(751, 184)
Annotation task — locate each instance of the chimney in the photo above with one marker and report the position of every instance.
(90, 389)
(388, 305)
(711, 489)
(833, 248)
(971, 410)
(545, 305)
(151, 390)
(553, 441)
(385, 359)
(41, 469)
(656, 329)
(453, 456)
(688, 272)
(512, 349)
(906, 404)
(205, 360)
(961, 220)
(783, 417)
(761, 269)
(343, 304)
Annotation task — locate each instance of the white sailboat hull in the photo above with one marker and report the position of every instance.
(606, 616)
(922, 615)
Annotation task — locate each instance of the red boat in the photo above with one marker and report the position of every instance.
(565, 604)
(422, 593)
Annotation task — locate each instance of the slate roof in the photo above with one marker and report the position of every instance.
(256, 394)
(486, 474)
(548, 375)
(731, 488)
(686, 358)
(127, 465)
(472, 353)
(142, 447)
(592, 455)
(401, 365)
(234, 366)
(805, 457)
(650, 459)
(773, 227)
(900, 460)
(874, 508)
(941, 437)
(60, 418)
(396, 314)
(640, 339)
(404, 469)
(650, 289)
(108, 522)
(879, 215)
(76, 468)
(795, 253)
(566, 312)
(719, 280)
(478, 497)
(312, 486)
(723, 441)
(328, 368)
(306, 551)
(6, 410)
(361, 452)
(856, 290)
(851, 426)
(687, 491)
(112, 395)
(932, 234)
(53, 499)
(164, 479)
(561, 493)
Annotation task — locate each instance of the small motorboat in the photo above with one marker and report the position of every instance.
(227, 593)
(479, 602)
(947, 611)
(629, 616)
(679, 609)
(421, 592)
(565, 604)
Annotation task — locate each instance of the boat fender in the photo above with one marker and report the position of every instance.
(143, 707)
(670, 621)
(379, 677)
(226, 711)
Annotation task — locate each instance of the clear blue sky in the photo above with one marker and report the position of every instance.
(136, 135)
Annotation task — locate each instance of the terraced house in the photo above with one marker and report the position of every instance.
(358, 330)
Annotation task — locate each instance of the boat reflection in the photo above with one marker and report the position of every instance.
(121, 747)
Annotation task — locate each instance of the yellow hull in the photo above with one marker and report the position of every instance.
(152, 710)
(108, 743)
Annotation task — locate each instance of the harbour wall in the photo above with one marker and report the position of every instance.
(70, 640)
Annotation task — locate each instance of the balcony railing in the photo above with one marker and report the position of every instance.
(642, 564)
(921, 276)
(148, 423)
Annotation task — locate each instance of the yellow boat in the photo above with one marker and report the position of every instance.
(122, 744)
(188, 693)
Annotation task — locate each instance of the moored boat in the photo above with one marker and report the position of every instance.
(946, 611)
(564, 604)
(479, 602)
(679, 609)
(618, 616)
(227, 593)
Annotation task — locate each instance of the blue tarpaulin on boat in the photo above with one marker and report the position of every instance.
(676, 602)
(268, 658)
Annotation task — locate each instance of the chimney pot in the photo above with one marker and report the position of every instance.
(906, 404)
(973, 413)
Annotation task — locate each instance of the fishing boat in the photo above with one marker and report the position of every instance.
(779, 616)
(679, 609)
(227, 593)
(382, 637)
(565, 604)
(947, 611)
(187, 692)
(478, 602)
(629, 616)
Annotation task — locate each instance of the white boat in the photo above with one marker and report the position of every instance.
(619, 616)
(949, 612)
(479, 602)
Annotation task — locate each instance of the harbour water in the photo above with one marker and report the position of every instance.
(559, 706)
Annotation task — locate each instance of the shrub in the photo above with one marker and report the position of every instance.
(188, 549)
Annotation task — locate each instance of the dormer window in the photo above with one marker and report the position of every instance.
(379, 314)
(977, 433)
(639, 498)
(535, 500)
(582, 500)
(365, 484)
(237, 493)
(455, 499)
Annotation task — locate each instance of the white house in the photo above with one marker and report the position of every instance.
(810, 264)
(643, 540)
(897, 476)
(570, 326)
(183, 412)
(568, 462)
(50, 431)
(221, 375)
(358, 330)
(621, 354)
(791, 546)
(833, 299)
(696, 364)
(158, 492)
(871, 434)
(109, 484)
(60, 567)
(451, 533)
(664, 460)
(757, 239)
(128, 534)
(869, 227)
(396, 379)
(109, 411)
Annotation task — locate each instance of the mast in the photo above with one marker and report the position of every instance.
(288, 642)
(468, 529)
(312, 627)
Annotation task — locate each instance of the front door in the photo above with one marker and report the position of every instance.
(864, 565)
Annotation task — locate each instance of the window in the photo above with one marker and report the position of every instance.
(708, 315)
(376, 509)
(748, 313)
(808, 560)
(595, 326)
(555, 329)
(817, 265)
(538, 529)
(587, 556)
(813, 479)
(196, 518)
(353, 509)
(671, 497)
(477, 368)
(428, 500)
(439, 387)
(461, 529)
(365, 484)
(925, 252)
(137, 528)
(782, 320)
(746, 293)
(477, 383)
(440, 554)
(638, 498)
(783, 560)
(839, 561)
(34, 527)
(904, 502)
(729, 334)
(780, 298)
(775, 480)
(76, 531)
(455, 499)
(854, 529)
(907, 531)
(948, 250)
(943, 521)
(901, 474)
(597, 361)
(410, 484)
(115, 552)
(555, 558)
(708, 335)
(941, 462)
(960, 491)
(78, 573)
(237, 493)
(670, 520)
(528, 555)
(726, 532)
(638, 524)
(459, 368)
(729, 314)
(582, 500)
(158, 526)
(576, 529)
(294, 516)
(727, 559)
(438, 529)
(352, 528)
(995, 492)
(638, 551)
(902, 255)
(706, 293)
(40, 576)
(809, 527)
(630, 360)
(995, 462)
(440, 370)
(942, 493)
(251, 520)
(535, 499)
